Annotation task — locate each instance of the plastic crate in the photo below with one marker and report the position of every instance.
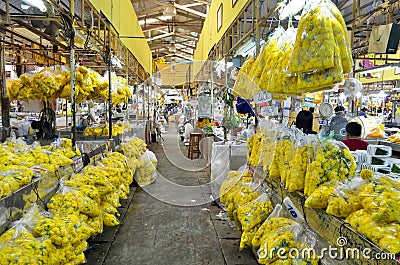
(360, 156)
(371, 149)
(385, 161)
(376, 168)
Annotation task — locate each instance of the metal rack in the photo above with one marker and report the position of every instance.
(68, 31)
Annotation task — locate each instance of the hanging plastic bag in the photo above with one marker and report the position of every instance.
(240, 87)
(45, 85)
(324, 79)
(314, 41)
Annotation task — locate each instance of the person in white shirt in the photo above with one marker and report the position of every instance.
(188, 130)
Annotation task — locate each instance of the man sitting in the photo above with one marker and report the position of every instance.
(353, 135)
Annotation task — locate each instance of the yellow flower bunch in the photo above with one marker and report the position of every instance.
(382, 201)
(96, 130)
(145, 171)
(120, 92)
(247, 237)
(314, 42)
(302, 157)
(231, 182)
(254, 149)
(331, 163)
(269, 225)
(386, 236)
(282, 238)
(72, 202)
(132, 150)
(322, 51)
(281, 164)
(275, 77)
(323, 79)
(320, 197)
(46, 85)
(100, 85)
(234, 192)
(254, 212)
(65, 148)
(20, 88)
(13, 177)
(30, 251)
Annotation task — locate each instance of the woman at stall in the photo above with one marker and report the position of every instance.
(304, 122)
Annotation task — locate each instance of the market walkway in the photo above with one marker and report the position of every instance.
(176, 224)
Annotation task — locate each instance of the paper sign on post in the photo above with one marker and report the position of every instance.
(269, 111)
(262, 97)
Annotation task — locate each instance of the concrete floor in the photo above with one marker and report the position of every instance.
(173, 221)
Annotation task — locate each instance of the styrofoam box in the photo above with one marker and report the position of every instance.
(385, 161)
(372, 148)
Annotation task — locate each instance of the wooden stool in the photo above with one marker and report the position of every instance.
(194, 145)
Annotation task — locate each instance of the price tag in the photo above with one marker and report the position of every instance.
(293, 210)
(262, 97)
(38, 169)
(78, 165)
(269, 111)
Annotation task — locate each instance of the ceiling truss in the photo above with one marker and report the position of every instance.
(183, 29)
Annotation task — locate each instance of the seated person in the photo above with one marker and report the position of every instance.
(304, 122)
(353, 135)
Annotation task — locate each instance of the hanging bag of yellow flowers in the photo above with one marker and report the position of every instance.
(314, 41)
(240, 87)
(322, 53)
(279, 81)
(272, 51)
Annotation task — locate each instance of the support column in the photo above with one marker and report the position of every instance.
(109, 95)
(72, 85)
(5, 102)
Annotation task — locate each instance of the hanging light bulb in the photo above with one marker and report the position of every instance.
(39, 4)
(172, 48)
(170, 10)
(173, 65)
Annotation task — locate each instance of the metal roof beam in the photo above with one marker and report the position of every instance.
(203, 2)
(149, 12)
(154, 28)
(160, 36)
(190, 10)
